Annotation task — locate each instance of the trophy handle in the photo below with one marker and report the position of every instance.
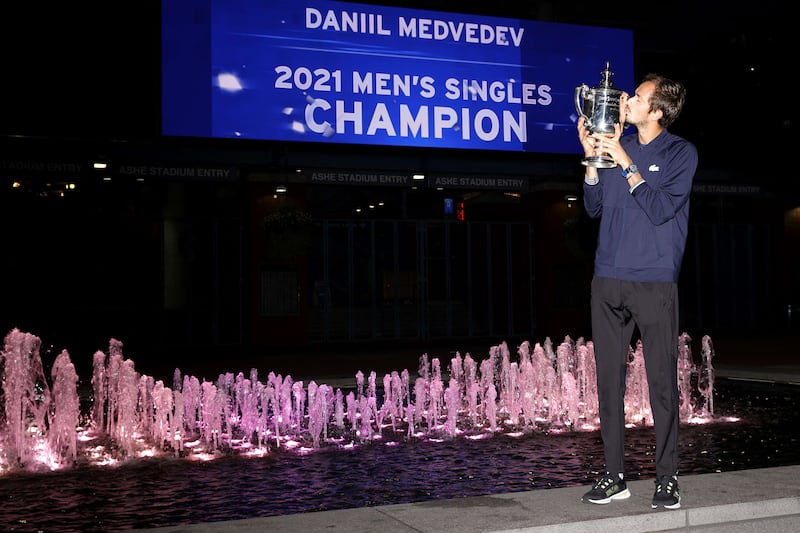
(580, 99)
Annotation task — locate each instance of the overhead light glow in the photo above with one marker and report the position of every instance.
(229, 82)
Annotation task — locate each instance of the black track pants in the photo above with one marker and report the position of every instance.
(617, 307)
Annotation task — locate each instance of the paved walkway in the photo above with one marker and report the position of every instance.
(764, 500)
(758, 500)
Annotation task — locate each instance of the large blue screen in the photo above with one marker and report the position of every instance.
(336, 72)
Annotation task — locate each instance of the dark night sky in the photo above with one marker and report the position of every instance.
(91, 70)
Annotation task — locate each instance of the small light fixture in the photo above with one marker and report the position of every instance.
(418, 177)
(100, 165)
(569, 198)
(280, 189)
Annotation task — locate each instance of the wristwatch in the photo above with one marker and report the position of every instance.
(630, 171)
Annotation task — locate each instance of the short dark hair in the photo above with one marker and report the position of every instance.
(668, 96)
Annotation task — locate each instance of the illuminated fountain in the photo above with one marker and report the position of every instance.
(130, 415)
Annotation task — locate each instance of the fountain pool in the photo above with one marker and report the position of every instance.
(108, 485)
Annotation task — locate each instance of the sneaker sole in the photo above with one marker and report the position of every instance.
(671, 507)
(624, 495)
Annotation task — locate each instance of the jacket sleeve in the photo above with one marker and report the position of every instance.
(661, 203)
(593, 199)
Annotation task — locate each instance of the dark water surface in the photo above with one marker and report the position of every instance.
(169, 491)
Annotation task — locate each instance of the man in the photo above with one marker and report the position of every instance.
(643, 205)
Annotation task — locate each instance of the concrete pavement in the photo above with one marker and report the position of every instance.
(762, 500)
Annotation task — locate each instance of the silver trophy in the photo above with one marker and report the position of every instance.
(600, 109)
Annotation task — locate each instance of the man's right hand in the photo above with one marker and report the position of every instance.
(586, 139)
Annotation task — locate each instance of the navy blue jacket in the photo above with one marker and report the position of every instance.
(643, 233)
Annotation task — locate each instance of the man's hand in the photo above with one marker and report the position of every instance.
(609, 144)
(585, 138)
(623, 108)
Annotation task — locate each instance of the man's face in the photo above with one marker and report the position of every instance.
(639, 104)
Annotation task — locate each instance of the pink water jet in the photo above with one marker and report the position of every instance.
(131, 415)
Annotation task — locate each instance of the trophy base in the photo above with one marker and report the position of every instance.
(598, 161)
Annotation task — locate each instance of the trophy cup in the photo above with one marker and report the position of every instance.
(600, 109)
